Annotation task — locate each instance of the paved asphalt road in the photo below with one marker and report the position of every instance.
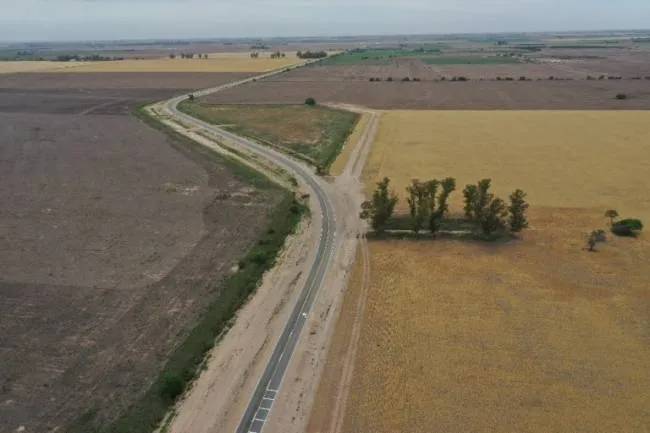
(269, 384)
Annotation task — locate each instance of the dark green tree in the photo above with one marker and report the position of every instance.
(419, 203)
(380, 209)
(477, 199)
(493, 216)
(470, 193)
(439, 211)
(517, 209)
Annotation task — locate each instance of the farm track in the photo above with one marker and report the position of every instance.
(335, 205)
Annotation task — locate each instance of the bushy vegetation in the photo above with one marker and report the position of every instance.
(88, 58)
(311, 54)
(627, 227)
(380, 209)
(428, 208)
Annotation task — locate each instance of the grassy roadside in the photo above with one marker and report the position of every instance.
(183, 364)
(313, 134)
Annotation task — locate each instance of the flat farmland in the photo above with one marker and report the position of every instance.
(216, 62)
(114, 240)
(312, 132)
(558, 157)
(351, 85)
(532, 335)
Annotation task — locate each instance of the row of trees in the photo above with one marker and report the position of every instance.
(311, 54)
(429, 205)
(188, 56)
(278, 55)
(88, 58)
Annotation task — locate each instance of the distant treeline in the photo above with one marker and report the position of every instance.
(91, 58)
(311, 54)
(188, 56)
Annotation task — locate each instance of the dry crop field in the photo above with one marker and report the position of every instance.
(217, 62)
(533, 335)
(236, 62)
(113, 240)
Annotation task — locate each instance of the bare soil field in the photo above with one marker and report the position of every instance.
(351, 85)
(98, 93)
(532, 335)
(113, 240)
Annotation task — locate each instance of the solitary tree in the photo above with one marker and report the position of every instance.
(612, 215)
(517, 210)
(310, 101)
(380, 209)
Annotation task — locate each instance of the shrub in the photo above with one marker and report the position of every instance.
(623, 231)
(259, 258)
(627, 227)
(389, 79)
(621, 96)
(632, 223)
(172, 386)
(596, 237)
(310, 101)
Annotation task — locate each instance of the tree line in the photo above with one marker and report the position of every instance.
(428, 204)
(311, 54)
(188, 56)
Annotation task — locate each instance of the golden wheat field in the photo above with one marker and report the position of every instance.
(573, 159)
(12, 67)
(533, 335)
(216, 62)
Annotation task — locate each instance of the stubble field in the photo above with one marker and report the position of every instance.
(532, 335)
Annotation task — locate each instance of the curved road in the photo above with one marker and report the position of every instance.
(268, 386)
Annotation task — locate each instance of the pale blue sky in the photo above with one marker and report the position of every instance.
(123, 19)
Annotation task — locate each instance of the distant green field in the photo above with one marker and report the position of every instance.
(470, 60)
(378, 56)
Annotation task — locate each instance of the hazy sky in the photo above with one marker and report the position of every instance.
(123, 19)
